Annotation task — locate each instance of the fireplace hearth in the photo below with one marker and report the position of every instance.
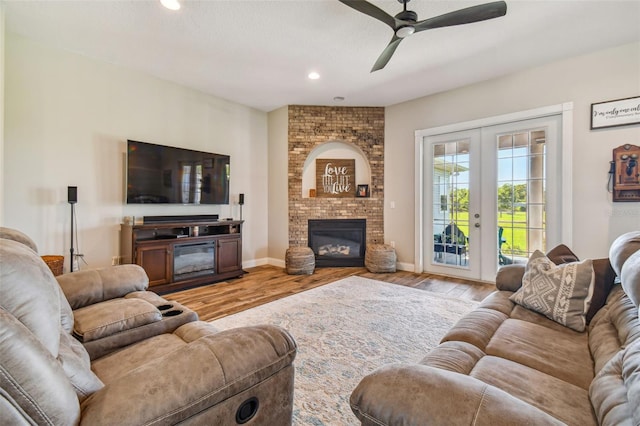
(338, 242)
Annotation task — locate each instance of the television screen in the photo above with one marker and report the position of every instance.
(164, 174)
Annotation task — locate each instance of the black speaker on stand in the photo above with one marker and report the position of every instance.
(72, 198)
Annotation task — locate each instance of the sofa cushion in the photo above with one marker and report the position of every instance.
(604, 280)
(15, 235)
(560, 292)
(623, 247)
(615, 392)
(92, 286)
(113, 316)
(562, 254)
(29, 292)
(562, 400)
(77, 366)
(630, 277)
(563, 354)
(31, 378)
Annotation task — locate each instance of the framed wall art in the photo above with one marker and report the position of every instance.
(335, 178)
(620, 112)
(362, 191)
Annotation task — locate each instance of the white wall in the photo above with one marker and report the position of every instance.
(278, 185)
(67, 121)
(605, 75)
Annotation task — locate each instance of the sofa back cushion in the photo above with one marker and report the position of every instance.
(630, 277)
(623, 247)
(85, 288)
(31, 297)
(15, 235)
(34, 386)
(604, 279)
(615, 391)
(614, 340)
(30, 293)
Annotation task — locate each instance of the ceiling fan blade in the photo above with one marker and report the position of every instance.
(371, 10)
(471, 14)
(386, 53)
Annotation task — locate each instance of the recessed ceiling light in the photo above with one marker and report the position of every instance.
(170, 4)
(313, 75)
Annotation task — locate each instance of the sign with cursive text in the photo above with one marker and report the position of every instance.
(621, 112)
(335, 178)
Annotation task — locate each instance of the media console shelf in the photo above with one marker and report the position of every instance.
(184, 252)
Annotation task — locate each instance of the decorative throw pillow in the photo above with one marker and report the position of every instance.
(560, 292)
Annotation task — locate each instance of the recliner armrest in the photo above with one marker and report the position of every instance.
(418, 394)
(196, 378)
(509, 277)
(91, 286)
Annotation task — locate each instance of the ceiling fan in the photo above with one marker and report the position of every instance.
(406, 22)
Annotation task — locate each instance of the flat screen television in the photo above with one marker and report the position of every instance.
(164, 174)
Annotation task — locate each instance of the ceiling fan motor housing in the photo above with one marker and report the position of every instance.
(407, 15)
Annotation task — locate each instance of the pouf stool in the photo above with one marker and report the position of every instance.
(300, 261)
(380, 258)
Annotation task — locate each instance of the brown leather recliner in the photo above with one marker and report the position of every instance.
(195, 375)
(111, 306)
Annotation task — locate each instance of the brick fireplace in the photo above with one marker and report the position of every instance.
(309, 128)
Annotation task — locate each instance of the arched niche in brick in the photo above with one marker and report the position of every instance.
(335, 150)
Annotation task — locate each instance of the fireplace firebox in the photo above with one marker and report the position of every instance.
(193, 260)
(338, 242)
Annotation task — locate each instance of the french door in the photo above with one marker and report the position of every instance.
(491, 195)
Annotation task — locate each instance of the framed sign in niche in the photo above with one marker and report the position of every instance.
(335, 178)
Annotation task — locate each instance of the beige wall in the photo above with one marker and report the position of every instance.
(67, 118)
(278, 185)
(67, 121)
(605, 75)
(1, 112)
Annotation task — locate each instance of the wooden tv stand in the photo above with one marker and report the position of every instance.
(164, 250)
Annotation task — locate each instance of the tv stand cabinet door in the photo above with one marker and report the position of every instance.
(229, 254)
(156, 260)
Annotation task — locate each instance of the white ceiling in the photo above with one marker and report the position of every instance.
(258, 53)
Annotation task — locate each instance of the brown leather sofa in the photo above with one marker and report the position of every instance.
(194, 375)
(504, 364)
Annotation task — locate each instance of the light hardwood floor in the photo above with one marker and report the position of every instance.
(264, 284)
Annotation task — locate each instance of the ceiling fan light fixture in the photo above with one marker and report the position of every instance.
(171, 4)
(405, 31)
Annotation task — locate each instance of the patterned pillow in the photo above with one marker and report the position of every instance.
(560, 292)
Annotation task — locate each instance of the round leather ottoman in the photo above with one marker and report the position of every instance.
(380, 258)
(300, 261)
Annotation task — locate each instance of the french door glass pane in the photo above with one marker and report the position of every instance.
(451, 202)
(521, 195)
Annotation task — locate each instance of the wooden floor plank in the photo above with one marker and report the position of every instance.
(264, 284)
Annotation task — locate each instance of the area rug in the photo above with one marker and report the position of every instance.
(345, 330)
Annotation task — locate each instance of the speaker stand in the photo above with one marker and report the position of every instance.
(71, 249)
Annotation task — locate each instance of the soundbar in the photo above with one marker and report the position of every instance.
(181, 218)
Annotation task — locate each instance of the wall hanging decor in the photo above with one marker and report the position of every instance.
(335, 178)
(625, 172)
(363, 191)
(620, 112)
